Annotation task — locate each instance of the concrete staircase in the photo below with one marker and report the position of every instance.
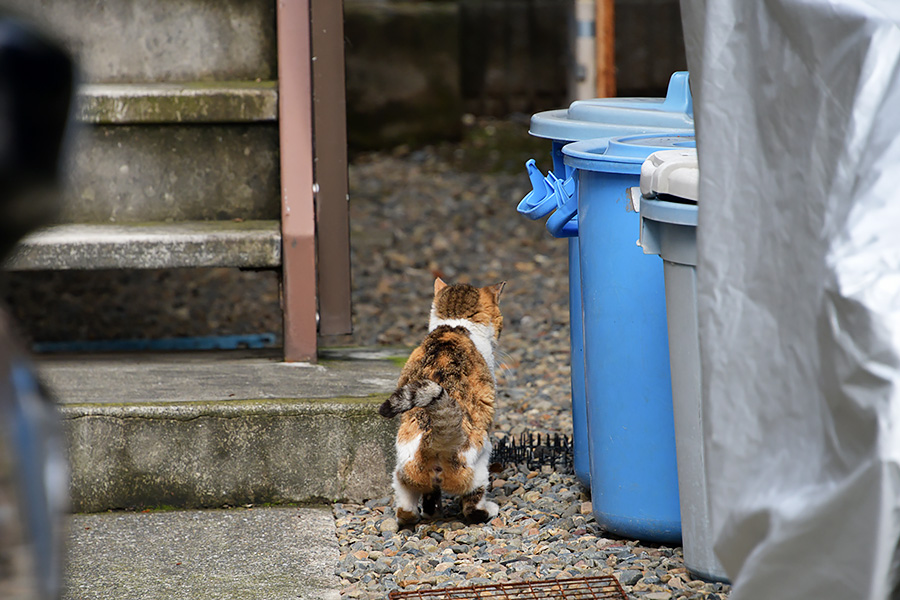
(177, 164)
(239, 430)
(197, 147)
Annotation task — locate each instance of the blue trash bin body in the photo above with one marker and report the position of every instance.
(631, 441)
(589, 119)
(580, 452)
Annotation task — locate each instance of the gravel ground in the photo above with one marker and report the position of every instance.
(447, 210)
(418, 214)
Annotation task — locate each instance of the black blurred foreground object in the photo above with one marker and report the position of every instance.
(535, 451)
(36, 80)
(606, 587)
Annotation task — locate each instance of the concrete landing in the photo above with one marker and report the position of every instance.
(171, 377)
(214, 429)
(264, 553)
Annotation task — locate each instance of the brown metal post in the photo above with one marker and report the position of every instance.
(298, 229)
(330, 147)
(606, 48)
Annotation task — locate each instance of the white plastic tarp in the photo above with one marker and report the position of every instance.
(797, 107)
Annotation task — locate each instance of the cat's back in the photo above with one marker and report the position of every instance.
(449, 354)
(450, 358)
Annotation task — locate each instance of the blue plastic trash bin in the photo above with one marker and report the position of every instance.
(667, 202)
(634, 481)
(588, 119)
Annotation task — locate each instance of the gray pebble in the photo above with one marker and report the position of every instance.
(388, 525)
(629, 577)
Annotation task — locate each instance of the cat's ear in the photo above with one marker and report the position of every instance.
(439, 285)
(496, 290)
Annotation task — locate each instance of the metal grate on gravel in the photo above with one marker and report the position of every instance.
(535, 451)
(576, 588)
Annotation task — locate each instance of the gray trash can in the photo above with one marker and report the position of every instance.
(667, 203)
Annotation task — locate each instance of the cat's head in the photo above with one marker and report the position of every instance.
(463, 301)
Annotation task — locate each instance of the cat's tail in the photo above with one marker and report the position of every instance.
(415, 394)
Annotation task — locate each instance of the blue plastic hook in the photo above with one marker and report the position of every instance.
(567, 208)
(541, 200)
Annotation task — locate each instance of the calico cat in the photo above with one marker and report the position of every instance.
(445, 397)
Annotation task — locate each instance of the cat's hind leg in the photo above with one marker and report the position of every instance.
(406, 501)
(475, 505)
(477, 508)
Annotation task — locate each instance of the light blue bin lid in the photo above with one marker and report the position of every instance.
(622, 155)
(615, 117)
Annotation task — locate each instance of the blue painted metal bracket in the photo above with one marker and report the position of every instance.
(216, 342)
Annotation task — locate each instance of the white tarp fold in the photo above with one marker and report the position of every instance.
(797, 108)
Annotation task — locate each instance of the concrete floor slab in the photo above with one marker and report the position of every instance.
(265, 553)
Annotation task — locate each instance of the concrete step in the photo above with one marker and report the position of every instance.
(216, 429)
(251, 244)
(145, 41)
(191, 102)
(175, 152)
(179, 172)
(259, 553)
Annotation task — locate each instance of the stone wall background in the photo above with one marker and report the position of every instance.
(415, 67)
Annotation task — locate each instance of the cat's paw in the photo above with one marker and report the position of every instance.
(405, 517)
(482, 512)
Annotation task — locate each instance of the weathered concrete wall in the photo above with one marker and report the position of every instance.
(403, 81)
(514, 56)
(209, 454)
(411, 67)
(649, 46)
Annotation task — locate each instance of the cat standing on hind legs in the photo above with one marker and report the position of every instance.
(445, 399)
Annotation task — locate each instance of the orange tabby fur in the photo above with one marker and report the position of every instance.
(445, 396)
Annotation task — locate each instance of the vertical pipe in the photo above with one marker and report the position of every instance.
(297, 201)
(584, 39)
(606, 49)
(330, 147)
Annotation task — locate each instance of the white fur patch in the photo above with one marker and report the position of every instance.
(491, 508)
(404, 497)
(407, 450)
(481, 335)
(479, 461)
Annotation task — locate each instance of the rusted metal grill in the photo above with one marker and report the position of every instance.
(535, 451)
(577, 588)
